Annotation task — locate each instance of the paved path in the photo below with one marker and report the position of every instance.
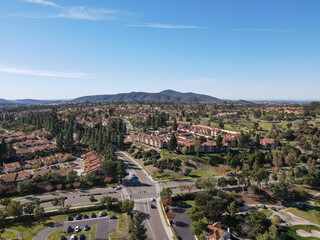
(16, 232)
(44, 233)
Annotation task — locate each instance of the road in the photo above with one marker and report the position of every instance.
(74, 198)
(142, 193)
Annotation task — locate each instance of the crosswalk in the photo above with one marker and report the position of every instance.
(143, 200)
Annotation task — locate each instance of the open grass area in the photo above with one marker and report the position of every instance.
(291, 232)
(9, 235)
(56, 235)
(123, 225)
(266, 212)
(191, 202)
(199, 174)
(310, 213)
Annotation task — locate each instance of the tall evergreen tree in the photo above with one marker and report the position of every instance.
(172, 143)
(137, 229)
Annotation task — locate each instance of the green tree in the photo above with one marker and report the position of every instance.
(127, 206)
(175, 125)
(281, 189)
(196, 213)
(137, 230)
(172, 143)
(38, 212)
(72, 177)
(199, 227)
(121, 171)
(60, 142)
(14, 209)
(219, 142)
(29, 208)
(166, 193)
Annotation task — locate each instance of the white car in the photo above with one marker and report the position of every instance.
(77, 229)
(118, 188)
(74, 237)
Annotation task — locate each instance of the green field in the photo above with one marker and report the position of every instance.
(266, 212)
(291, 232)
(9, 235)
(310, 213)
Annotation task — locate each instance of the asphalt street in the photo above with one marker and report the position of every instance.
(142, 193)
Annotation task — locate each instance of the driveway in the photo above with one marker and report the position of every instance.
(182, 223)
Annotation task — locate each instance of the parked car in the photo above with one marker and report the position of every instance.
(70, 218)
(82, 237)
(63, 238)
(102, 214)
(77, 229)
(113, 217)
(70, 229)
(93, 215)
(79, 217)
(85, 216)
(86, 228)
(118, 188)
(74, 237)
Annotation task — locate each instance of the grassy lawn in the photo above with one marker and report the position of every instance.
(9, 235)
(123, 224)
(310, 213)
(291, 231)
(317, 201)
(200, 174)
(57, 234)
(191, 202)
(266, 212)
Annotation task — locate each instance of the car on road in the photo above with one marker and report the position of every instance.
(79, 217)
(85, 216)
(118, 188)
(93, 215)
(77, 229)
(153, 199)
(153, 206)
(86, 228)
(70, 229)
(82, 237)
(113, 217)
(74, 237)
(70, 218)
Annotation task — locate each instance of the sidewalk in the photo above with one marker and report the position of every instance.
(164, 220)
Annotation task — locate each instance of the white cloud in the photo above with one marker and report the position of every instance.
(261, 30)
(89, 14)
(41, 73)
(167, 26)
(43, 2)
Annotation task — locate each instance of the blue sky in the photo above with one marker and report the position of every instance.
(231, 49)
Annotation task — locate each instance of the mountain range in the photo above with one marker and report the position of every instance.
(163, 96)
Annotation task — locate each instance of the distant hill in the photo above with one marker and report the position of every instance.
(4, 101)
(164, 96)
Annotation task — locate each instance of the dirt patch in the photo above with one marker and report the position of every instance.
(312, 233)
(264, 197)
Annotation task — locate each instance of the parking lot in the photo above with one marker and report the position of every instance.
(104, 225)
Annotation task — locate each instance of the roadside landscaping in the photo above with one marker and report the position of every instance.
(123, 227)
(9, 235)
